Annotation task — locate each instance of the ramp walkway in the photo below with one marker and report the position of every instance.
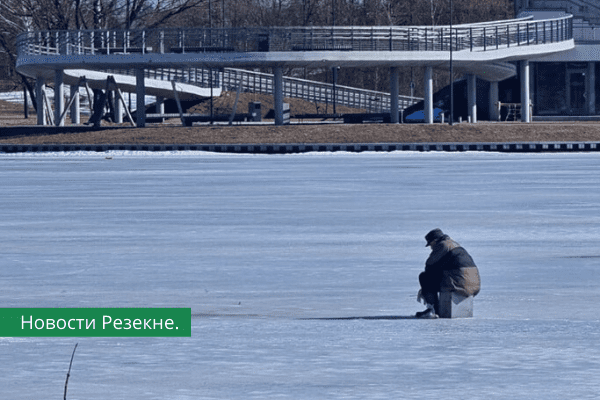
(158, 83)
(313, 91)
(484, 49)
(193, 83)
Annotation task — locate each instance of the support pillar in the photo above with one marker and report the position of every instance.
(74, 112)
(591, 88)
(40, 89)
(59, 97)
(118, 109)
(140, 98)
(278, 95)
(428, 101)
(394, 92)
(25, 103)
(160, 105)
(472, 97)
(525, 110)
(494, 98)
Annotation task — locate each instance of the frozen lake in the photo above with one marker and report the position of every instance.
(256, 244)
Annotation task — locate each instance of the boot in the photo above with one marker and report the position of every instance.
(429, 313)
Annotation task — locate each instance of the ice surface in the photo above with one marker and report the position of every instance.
(257, 244)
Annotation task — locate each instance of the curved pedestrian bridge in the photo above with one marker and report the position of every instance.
(482, 49)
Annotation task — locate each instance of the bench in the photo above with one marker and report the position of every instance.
(359, 118)
(512, 110)
(202, 49)
(455, 305)
(322, 47)
(123, 50)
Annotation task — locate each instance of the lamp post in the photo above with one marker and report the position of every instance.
(333, 12)
(210, 71)
(451, 73)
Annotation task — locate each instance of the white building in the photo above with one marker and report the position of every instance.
(567, 83)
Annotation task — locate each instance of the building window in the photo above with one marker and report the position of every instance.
(551, 89)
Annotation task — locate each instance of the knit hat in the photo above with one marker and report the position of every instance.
(433, 235)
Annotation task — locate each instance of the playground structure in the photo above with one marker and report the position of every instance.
(180, 62)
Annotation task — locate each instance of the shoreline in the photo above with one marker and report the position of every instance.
(310, 134)
(545, 147)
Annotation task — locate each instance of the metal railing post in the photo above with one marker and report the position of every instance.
(570, 22)
(484, 39)
(373, 45)
(471, 38)
(497, 43)
(333, 38)
(544, 28)
(455, 36)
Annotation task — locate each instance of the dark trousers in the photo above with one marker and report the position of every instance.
(430, 286)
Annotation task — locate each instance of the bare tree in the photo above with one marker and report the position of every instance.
(17, 16)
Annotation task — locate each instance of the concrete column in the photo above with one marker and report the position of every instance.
(525, 112)
(140, 98)
(591, 88)
(494, 98)
(394, 92)
(74, 112)
(532, 92)
(118, 109)
(428, 101)
(472, 97)
(40, 89)
(59, 97)
(278, 95)
(160, 105)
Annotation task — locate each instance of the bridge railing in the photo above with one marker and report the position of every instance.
(475, 37)
(586, 33)
(263, 83)
(314, 92)
(201, 77)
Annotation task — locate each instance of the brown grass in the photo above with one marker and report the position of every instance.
(14, 129)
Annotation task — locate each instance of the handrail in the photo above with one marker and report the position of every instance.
(289, 39)
(263, 83)
(502, 21)
(312, 91)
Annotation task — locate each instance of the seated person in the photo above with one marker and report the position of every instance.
(449, 268)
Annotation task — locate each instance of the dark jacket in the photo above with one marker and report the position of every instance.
(454, 267)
